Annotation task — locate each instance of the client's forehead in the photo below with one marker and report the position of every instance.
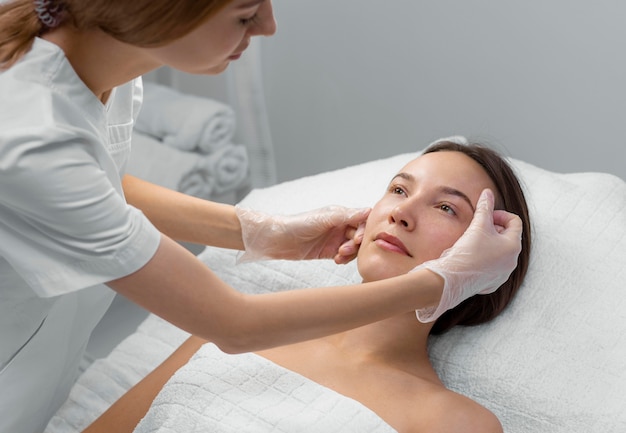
(449, 168)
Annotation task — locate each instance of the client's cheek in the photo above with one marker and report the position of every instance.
(435, 243)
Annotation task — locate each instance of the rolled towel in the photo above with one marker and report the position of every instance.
(183, 121)
(227, 168)
(204, 176)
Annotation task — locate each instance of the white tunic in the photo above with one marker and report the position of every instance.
(65, 228)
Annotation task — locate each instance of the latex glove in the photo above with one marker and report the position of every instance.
(332, 232)
(350, 248)
(480, 261)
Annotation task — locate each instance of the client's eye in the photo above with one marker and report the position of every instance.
(447, 209)
(394, 189)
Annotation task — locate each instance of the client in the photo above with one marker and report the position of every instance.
(385, 365)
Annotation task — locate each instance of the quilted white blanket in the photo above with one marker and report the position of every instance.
(222, 393)
(213, 392)
(109, 378)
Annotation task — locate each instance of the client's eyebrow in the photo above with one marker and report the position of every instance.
(456, 192)
(444, 189)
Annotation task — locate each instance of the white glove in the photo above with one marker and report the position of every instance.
(330, 232)
(480, 261)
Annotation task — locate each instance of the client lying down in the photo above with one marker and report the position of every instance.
(383, 366)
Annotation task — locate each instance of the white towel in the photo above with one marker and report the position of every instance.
(204, 176)
(183, 121)
(220, 393)
(107, 379)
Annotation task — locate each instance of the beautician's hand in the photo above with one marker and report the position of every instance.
(480, 261)
(332, 232)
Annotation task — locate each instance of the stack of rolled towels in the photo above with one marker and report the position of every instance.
(184, 142)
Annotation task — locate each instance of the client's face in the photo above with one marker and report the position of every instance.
(426, 208)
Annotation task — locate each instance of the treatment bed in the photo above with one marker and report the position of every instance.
(554, 361)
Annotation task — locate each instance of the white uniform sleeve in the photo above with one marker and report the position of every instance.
(64, 224)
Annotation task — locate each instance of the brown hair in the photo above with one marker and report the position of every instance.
(510, 197)
(146, 23)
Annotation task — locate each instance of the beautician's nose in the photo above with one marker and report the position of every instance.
(399, 215)
(266, 26)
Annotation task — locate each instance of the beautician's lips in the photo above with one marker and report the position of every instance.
(237, 55)
(391, 242)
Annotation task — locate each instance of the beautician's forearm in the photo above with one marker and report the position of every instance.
(124, 415)
(183, 217)
(178, 287)
(298, 315)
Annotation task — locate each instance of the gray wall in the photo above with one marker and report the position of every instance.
(347, 81)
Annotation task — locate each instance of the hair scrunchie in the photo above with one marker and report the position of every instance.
(49, 12)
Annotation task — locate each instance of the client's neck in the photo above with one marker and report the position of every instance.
(400, 339)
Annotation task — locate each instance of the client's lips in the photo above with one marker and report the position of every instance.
(392, 243)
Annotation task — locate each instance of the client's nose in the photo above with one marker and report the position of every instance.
(400, 216)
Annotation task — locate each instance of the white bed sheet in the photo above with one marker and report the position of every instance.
(554, 361)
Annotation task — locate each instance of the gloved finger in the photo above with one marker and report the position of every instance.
(350, 232)
(346, 252)
(510, 223)
(484, 209)
(349, 249)
(356, 217)
(358, 235)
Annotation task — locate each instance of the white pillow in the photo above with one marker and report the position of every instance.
(555, 360)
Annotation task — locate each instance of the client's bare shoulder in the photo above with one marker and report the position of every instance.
(408, 396)
(413, 400)
(445, 411)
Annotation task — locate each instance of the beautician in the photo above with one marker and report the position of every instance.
(74, 230)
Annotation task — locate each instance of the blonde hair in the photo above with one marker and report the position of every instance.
(146, 23)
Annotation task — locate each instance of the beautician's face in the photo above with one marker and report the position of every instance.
(210, 48)
(426, 208)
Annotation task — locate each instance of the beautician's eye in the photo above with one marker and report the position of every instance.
(248, 21)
